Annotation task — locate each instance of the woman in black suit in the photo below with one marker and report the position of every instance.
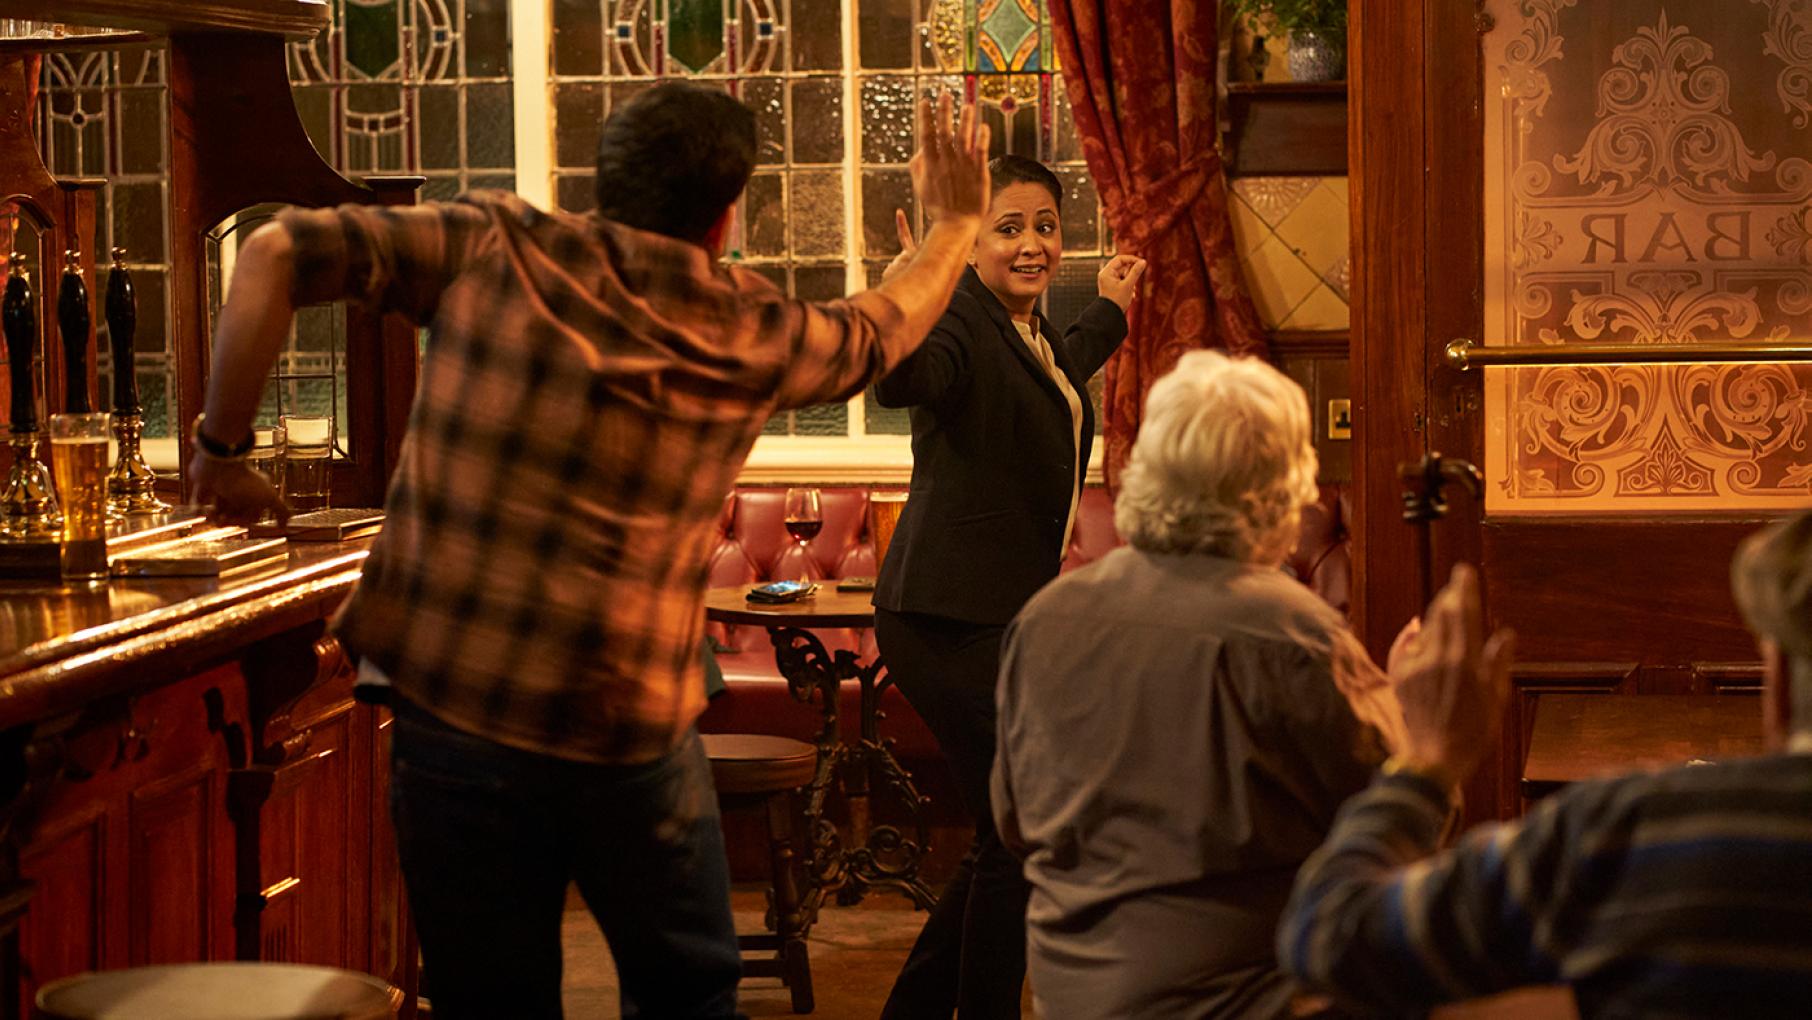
(1001, 431)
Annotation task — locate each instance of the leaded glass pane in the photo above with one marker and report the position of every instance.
(817, 118)
(103, 113)
(411, 86)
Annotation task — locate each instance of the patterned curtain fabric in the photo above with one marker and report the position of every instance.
(1143, 98)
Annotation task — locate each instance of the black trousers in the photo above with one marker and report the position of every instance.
(970, 959)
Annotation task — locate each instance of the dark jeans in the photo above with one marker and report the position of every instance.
(970, 958)
(491, 835)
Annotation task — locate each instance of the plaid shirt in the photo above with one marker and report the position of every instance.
(587, 397)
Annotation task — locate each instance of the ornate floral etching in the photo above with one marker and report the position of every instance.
(1789, 38)
(1664, 114)
(1639, 194)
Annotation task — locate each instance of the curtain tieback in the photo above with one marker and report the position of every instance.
(1152, 209)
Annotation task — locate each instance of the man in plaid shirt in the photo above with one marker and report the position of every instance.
(590, 388)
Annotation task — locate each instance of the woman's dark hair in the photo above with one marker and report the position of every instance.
(1008, 170)
(672, 159)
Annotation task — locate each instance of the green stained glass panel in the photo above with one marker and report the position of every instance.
(372, 36)
(1003, 35)
(695, 32)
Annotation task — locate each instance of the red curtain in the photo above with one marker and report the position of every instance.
(1142, 91)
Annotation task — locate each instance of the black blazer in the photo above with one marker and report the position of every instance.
(993, 461)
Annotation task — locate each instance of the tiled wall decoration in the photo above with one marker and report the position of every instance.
(1293, 236)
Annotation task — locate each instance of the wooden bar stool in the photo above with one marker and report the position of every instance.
(753, 770)
(219, 991)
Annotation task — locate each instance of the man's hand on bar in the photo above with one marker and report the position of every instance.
(232, 492)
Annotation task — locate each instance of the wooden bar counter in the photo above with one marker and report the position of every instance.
(186, 777)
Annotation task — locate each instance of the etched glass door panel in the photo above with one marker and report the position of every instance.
(1647, 181)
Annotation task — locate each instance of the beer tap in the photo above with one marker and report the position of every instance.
(132, 487)
(76, 325)
(28, 504)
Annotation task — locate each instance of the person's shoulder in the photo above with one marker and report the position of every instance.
(751, 284)
(1084, 587)
(1276, 595)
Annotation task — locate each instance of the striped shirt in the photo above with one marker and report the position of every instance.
(587, 396)
(1685, 893)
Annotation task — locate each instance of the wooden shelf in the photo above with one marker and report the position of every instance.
(299, 19)
(1286, 129)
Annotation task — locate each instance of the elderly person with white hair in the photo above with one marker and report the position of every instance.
(1180, 720)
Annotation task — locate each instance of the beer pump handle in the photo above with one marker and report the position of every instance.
(18, 317)
(76, 325)
(122, 323)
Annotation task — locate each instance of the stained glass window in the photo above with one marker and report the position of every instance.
(394, 86)
(412, 86)
(1000, 52)
(102, 113)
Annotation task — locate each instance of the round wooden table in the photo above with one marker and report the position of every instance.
(876, 857)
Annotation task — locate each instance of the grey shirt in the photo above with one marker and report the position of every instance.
(1176, 733)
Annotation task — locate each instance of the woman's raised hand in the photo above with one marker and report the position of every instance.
(950, 168)
(1119, 279)
(908, 246)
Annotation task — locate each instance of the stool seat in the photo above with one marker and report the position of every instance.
(751, 763)
(218, 991)
(769, 771)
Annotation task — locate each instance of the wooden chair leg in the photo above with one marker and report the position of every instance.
(790, 923)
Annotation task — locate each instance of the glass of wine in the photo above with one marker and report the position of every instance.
(804, 519)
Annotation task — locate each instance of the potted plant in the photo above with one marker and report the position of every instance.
(1317, 33)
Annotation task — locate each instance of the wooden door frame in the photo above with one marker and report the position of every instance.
(1415, 118)
(1662, 621)
(1417, 188)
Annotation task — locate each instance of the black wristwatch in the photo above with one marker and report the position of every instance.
(216, 449)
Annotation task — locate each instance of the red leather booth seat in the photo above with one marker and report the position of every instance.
(754, 547)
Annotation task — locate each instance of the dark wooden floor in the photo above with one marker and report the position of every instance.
(856, 951)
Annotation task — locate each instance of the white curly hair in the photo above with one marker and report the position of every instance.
(1223, 463)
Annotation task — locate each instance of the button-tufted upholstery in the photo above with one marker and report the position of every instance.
(754, 547)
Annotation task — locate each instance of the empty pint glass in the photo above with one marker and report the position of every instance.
(78, 461)
(307, 458)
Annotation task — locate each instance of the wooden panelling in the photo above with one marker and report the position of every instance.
(65, 931)
(170, 829)
(1318, 361)
(1616, 588)
(1530, 682)
(1286, 129)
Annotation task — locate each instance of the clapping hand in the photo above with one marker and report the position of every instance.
(1119, 279)
(1451, 682)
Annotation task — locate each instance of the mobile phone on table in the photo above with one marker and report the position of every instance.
(782, 591)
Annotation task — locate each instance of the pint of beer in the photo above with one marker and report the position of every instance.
(883, 517)
(307, 461)
(78, 461)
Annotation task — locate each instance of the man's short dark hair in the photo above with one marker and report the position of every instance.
(1012, 169)
(674, 158)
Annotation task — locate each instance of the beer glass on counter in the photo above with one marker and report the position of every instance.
(307, 461)
(78, 462)
(266, 458)
(883, 517)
